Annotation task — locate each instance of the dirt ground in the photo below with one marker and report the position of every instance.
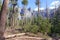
(8, 32)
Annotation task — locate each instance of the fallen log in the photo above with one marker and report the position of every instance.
(21, 36)
(14, 35)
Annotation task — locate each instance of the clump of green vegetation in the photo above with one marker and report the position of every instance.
(37, 25)
(34, 29)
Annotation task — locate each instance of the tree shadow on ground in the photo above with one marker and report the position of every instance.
(54, 37)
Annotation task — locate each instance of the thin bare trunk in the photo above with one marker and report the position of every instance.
(47, 10)
(55, 10)
(38, 7)
(3, 18)
(12, 19)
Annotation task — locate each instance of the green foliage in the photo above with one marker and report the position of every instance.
(25, 2)
(38, 25)
(43, 24)
(14, 2)
(27, 27)
(0, 4)
(34, 29)
(37, 2)
(56, 22)
(0, 7)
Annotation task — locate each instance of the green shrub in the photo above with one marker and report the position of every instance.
(34, 29)
(27, 28)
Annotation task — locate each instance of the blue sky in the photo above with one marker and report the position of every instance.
(31, 3)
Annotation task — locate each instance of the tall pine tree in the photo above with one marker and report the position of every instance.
(56, 22)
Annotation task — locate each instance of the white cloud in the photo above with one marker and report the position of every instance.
(53, 4)
(36, 9)
(51, 7)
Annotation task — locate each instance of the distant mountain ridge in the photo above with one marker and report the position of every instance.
(29, 12)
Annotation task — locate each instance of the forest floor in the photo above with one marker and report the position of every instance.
(16, 35)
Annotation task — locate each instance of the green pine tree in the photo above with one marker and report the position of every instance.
(56, 22)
